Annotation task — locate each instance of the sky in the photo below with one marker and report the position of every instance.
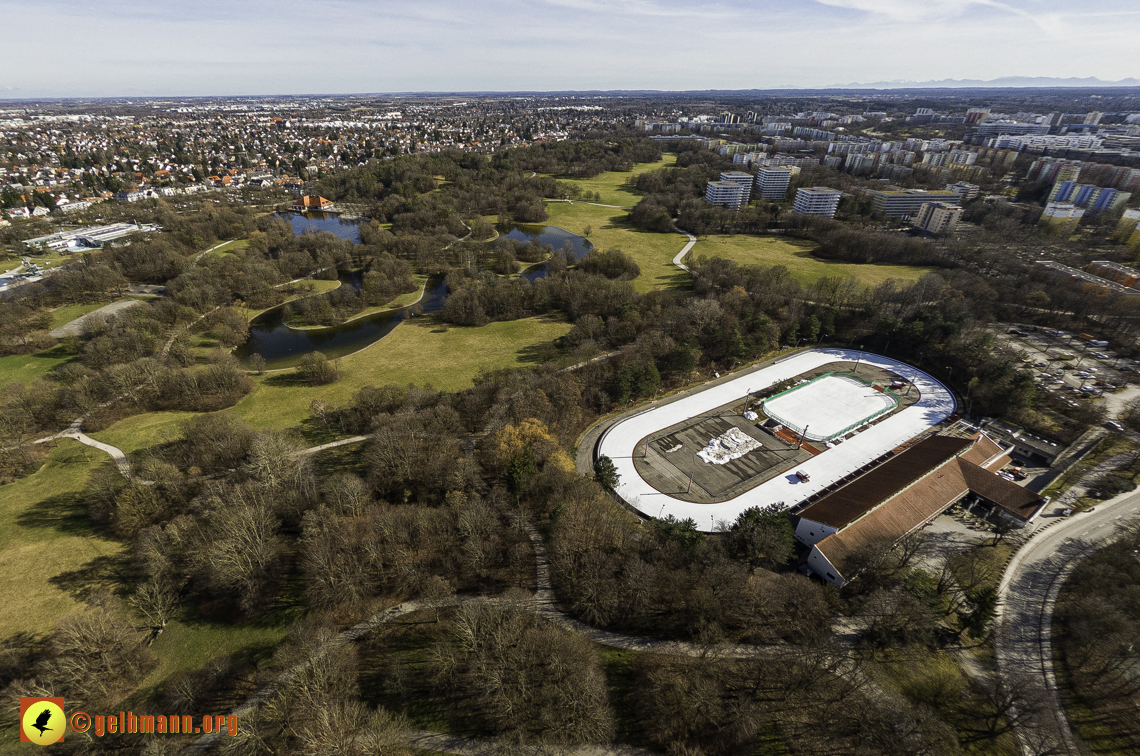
(65, 48)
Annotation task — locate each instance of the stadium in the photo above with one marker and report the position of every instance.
(855, 445)
(827, 427)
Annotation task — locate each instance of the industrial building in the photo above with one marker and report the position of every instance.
(817, 200)
(89, 237)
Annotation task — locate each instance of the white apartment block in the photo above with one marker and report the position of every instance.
(742, 178)
(967, 190)
(937, 217)
(903, 203)
(817, 200)
(772, 181)
(725, 193)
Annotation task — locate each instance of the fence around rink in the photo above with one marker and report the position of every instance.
(839, 374)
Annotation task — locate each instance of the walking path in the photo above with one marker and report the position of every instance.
(679, 259)
(75, 327)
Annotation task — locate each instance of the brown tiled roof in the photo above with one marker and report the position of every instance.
(920, 503)
(984, 451)
(900, 514)
(854, 500)
(1008, 495)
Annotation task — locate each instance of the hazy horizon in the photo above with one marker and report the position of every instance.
(135, 49)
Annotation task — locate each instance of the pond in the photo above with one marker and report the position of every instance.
(552, 235)
(323, 222)
(282, 346)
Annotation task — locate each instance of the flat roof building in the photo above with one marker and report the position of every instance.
(903, 203)
(742, 178)
(1061, 217)
(772, 181)
(726, 194)
(817, 200)
(937, 217)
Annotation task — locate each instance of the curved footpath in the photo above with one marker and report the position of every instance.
(678, 260)
(621, 440)
(544, 604)
(1027, 596)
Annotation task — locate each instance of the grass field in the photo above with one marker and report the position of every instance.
(49, 556)
(228, 248)
(653, 252)
(418, 351)
(612, 184)
(25, 368)
(142, 431)
(795, 255)
(68, 313)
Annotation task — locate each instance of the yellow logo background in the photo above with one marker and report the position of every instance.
(57, 724)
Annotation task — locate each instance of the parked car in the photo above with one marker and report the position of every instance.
(1114, 425)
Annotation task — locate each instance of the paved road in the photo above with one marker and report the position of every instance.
(75, 327)
(1029, 592)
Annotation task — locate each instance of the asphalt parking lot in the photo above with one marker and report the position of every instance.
(1070, 368)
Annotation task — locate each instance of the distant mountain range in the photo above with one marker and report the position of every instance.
(1004, 82)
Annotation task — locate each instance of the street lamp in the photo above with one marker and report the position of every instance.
(857, 358)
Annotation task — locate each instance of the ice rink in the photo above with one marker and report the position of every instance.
(619, 442)
(827, 406)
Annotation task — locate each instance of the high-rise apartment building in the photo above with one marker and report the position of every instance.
(725, 193)
(817, 200)
(1061, 217)
(903, 203)
(937, 217)
(772, 181)
(742, 178)
(1095, 199)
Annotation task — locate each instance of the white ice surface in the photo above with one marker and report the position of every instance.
(935, 404)
(827, 406)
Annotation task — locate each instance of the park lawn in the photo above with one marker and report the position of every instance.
(418, 351)
(143, 431)
(229, 247)
(611, 229)
(67, 313)
(795, 255)
(25, 368)
(612, 187)
(49, 553)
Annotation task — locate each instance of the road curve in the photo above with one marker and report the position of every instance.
(1028, 593)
